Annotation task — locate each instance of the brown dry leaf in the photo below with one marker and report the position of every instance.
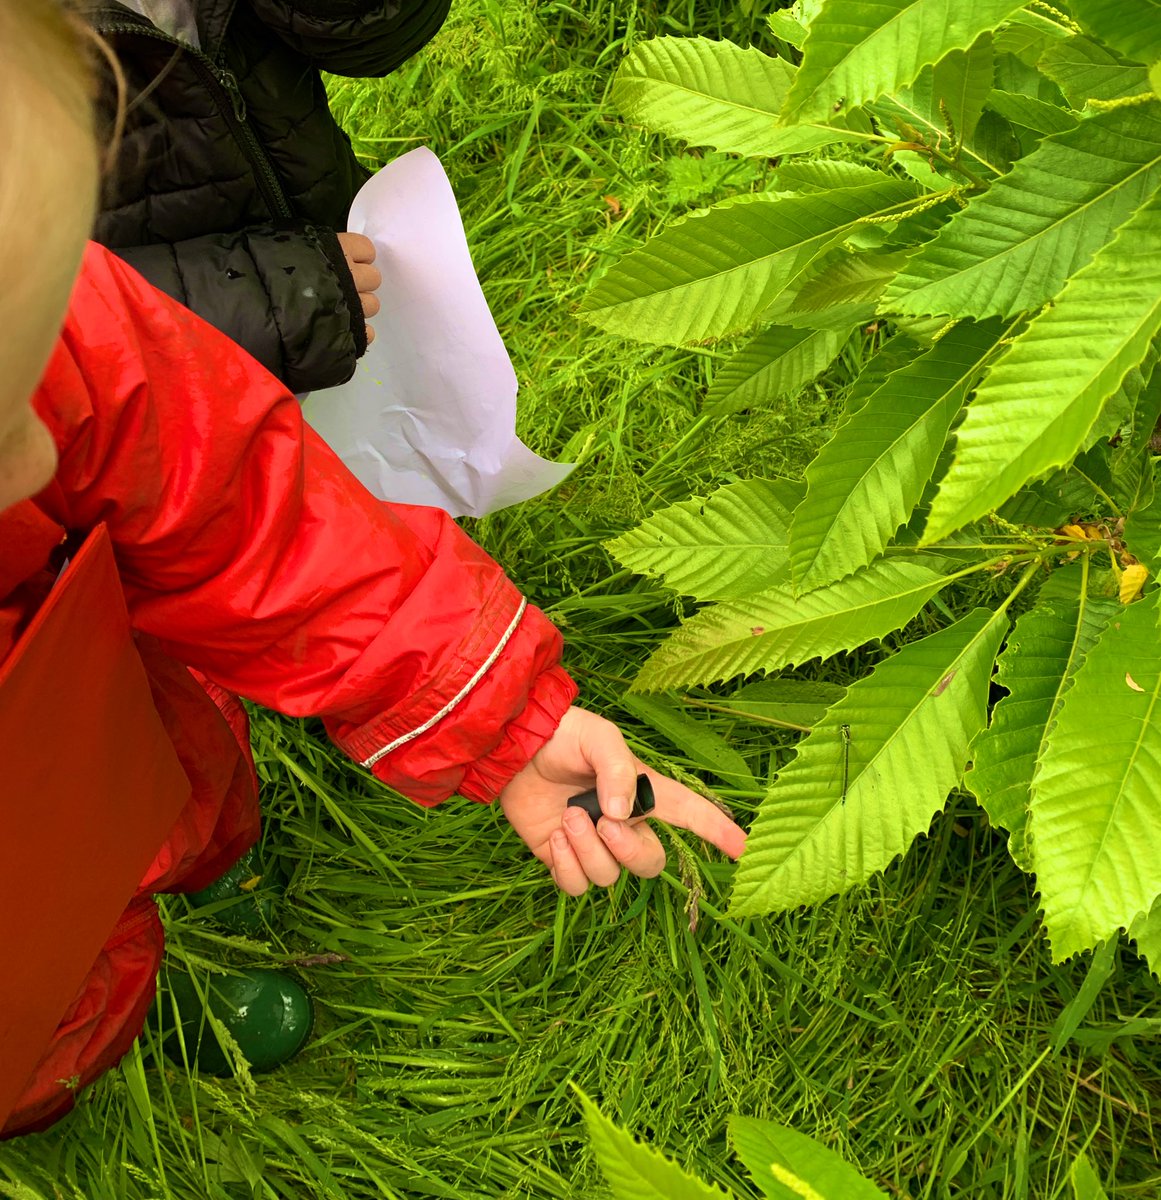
(614, 205)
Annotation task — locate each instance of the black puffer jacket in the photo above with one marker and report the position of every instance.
(233, 176)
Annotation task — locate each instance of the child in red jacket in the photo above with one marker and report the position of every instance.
(173, 536)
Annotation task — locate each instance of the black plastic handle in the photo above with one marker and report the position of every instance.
(643, 804)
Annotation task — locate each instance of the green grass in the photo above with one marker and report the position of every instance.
(916, 1025)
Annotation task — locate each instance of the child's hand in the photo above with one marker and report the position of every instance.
(359, 252)
(565, 840)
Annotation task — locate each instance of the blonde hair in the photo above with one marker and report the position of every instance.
(48, 171)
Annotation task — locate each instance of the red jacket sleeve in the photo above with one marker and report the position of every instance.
(251, 552)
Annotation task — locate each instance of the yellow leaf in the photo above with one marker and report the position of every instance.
(1133, 683)
(1075, 531)
(250, 884)
(1132, 581)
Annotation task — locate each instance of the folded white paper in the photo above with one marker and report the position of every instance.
(430, 414)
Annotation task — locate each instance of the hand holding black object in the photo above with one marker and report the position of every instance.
(643, 803)
(585, 748)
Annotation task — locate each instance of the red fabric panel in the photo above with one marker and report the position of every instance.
(99, 1026)
(91, 786)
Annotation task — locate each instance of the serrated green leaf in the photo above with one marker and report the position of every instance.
(1085, 70)
(1031, 113)
(713, 273)
(638, 1172)
(910, 724)
(779, 362)
(776, 628)
(865, 481)
(1086, 1184)
(1143, 533)
(788, 1165)
(856, 51)
(951, 93)
(1094, 795)
(1015, 246)
(1038, 666)
(846, 279)
(798, 703)
(783, 25)
(1027, 34)
(704, 747)
(1131, 26)
(1050, 503)
(1117, 416)
(823, 174)
(1037, 405)
(730, 544)
(1145, 931)
(712, 93)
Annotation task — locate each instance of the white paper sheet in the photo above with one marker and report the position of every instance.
(430, 414)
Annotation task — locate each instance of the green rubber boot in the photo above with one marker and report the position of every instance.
(244, 898)
(267, 1013)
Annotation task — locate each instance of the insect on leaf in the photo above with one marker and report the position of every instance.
(776, 628)
(1094, 795)
(911, 722)
(1036, 406)
(731, 544)
(785, 1164)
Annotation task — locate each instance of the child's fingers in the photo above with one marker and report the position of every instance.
(565, 868)
(677, 805)
(635, 846)
(366, 278)
(357, 248)
(603, 747)
(596, 861)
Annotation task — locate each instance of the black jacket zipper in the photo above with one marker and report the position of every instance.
(222, 83)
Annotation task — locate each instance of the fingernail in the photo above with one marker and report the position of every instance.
(608, 830)
(622, 806)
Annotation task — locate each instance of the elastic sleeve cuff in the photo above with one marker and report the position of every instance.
(485, 779)
(333, 249)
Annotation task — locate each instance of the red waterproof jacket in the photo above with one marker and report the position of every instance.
(248, 561)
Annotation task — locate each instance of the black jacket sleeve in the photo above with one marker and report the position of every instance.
(284, 294)
(354, 37)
